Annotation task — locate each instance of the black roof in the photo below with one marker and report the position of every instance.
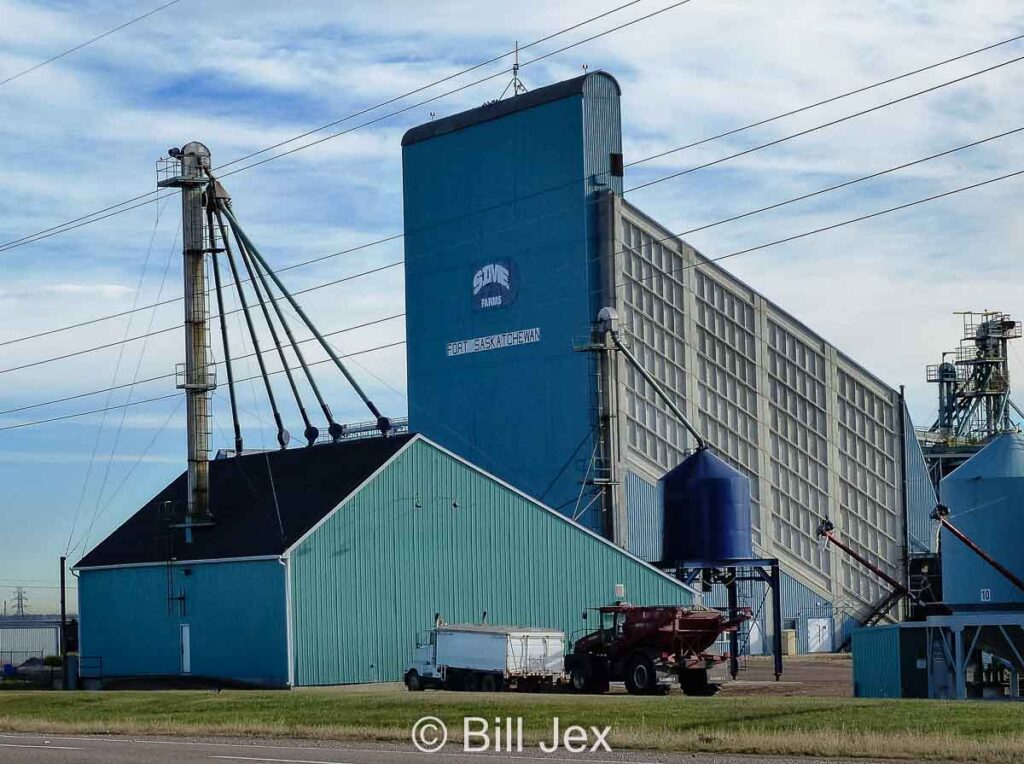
(498, 109)
(246, 494)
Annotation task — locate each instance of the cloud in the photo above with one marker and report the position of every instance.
(89, 128)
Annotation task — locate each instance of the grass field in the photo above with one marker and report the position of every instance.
(908, 729)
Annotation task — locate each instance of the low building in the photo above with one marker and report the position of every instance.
(322, 564)
(23, 639)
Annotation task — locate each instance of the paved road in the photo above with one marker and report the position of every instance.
(59, 749)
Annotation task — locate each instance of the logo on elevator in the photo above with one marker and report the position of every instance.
(495, 285)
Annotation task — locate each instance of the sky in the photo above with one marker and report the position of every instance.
(86, 131)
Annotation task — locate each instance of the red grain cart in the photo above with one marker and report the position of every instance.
(634, 644)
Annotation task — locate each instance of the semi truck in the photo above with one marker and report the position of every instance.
(481, 657)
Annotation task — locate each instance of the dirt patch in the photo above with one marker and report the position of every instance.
(824, 675)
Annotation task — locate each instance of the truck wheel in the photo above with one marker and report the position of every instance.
(413, 681)
(641, 678)
(579, 680)
(587, 684)
(489, 683)
(472, 682)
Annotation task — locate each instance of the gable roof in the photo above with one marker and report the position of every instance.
(247, 493)
(537, 503)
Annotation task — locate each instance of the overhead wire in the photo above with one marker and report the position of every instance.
(705, 261)
(117, 371)
(88, 42)
(171, 375)
(816, 128)
(142, 199)
(131, 394)
(759, 210)
(395, 237)
(830, 99)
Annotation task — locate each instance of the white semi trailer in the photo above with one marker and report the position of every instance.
(489, 658)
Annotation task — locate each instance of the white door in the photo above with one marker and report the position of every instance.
(186, 650)
(755, 645)
(819, 635)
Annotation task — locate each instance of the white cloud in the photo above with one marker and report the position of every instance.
(88, 129)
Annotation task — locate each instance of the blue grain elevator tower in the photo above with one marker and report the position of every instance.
(502, 217)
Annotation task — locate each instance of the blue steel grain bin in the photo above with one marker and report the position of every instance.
(985, 496)
(707, 511)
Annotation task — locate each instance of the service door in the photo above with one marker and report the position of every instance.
(186, 649)
(819, 635)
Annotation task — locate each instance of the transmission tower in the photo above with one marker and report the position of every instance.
(20, 600)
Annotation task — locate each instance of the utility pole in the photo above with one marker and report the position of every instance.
(188, 167)
(63, 611)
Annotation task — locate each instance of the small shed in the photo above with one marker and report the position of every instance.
(323, 563)
(890, 661)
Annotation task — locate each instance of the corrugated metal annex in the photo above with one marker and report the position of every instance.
(425, 532)
(429, 534)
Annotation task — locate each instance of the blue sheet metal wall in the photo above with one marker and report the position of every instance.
(518, 191)
(921, 498)
(645, 516)
(235, 612)
(432, 535)
(802, 604)
(876, 662)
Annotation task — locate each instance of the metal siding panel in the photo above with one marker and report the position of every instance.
(513, 188)
(126, 620)
(921, 499)
(876, 662)
(766, 418)
(531, 158)
(801, 604)
(646, 518)
(45, 640)
(400, 551)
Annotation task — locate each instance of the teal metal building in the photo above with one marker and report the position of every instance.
(322, 564)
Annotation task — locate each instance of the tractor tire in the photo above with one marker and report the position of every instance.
(472, 682)
(413, 681)
(490, 683)
(641, 677)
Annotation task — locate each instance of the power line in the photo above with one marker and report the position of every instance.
(176, 327)
(171, 301)
(831, 99)
(831, 123)
(732, 218)
(703, 263)
(420, 89)
(112, 210)
(830, 227)
(631, 164)
(20, 425)
(456, 90)
(159, 377)
(78, 47)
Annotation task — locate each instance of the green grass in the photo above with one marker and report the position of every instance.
(908, 729)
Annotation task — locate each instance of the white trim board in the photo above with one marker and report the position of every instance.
(178, 563)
